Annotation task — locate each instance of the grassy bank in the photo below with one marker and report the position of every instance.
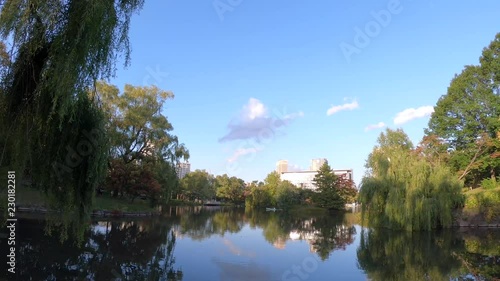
(482, 205)
(29, 197)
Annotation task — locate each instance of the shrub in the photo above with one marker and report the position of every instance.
(489, 183)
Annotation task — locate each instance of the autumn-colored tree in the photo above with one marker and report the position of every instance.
(433, 149)
(132, 180)
(346, 188)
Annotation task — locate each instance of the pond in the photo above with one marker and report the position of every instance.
(213, 243)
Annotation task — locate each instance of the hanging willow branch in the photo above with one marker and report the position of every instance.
(405, 191)
(60, 48)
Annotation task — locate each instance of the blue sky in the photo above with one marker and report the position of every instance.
(254, 81)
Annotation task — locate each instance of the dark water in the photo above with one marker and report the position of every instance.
(234, 245)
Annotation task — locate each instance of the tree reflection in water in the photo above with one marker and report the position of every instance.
(143, 249)
(113, 250)
(324, 233)
(444, 255)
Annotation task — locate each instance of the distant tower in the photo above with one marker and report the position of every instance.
(282, 166)
(317, 163)
(183, 169)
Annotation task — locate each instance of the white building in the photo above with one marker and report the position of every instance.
(317, 163)
(305, 179)
(183, 169)
(282, 166)
(302, 179)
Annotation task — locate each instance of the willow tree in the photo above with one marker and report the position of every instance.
(52, 128)
(404, 191)
(139, 132)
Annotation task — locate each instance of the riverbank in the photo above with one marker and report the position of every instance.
(481, 207)
(29, 200)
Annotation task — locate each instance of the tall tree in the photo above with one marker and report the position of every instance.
(61, 48)
(467, 117)
(137, 127)
(386, 142)
(271, 183)
(327, 195)
(405, 191)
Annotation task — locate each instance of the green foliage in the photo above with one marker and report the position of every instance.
(328, 194)
(166, 176)
(199, 185)
(140, 135)
(467, 118)
(229, 188)
(137, 128)
(60, 49)
(487, 202)
(489, 183)
(388, 255)
(258, 197)
(271, 182)
(274, 193)
(404, 191)
(287, 195)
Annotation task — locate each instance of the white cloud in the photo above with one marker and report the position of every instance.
(255, 122)
(413, 113)
(254, 109)
(346, 106)
(242, 152)
(375, 126)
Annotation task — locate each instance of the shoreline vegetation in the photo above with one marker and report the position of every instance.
(471, 216)
(88, 145)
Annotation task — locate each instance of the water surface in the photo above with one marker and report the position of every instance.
(201, 243)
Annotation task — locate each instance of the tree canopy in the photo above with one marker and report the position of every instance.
(59, 49)
(332, 191)
(405, 191)
(467, 118)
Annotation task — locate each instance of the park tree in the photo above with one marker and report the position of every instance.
(60, 48)
(327, 194)
(467, 117)
(405, 191)
(229, 188)
(271, 183)
(287, 194)
(433, 149)
(346, 188)
(198, 184)
(137, 127)
(132, 180)
(138, 132)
